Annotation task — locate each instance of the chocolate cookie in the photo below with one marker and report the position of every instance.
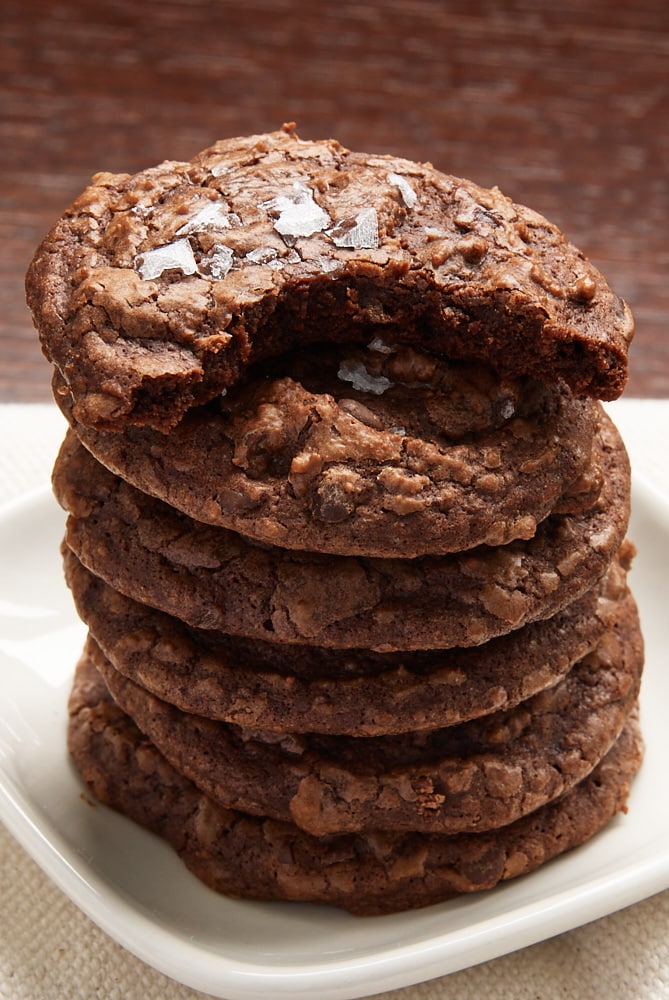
(213, 578)
(475, 776)
(155, 291)
(279, 688)
(381, 452)
(367, 873)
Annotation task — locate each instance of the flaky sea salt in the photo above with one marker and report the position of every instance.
(271, 258)
(218, 262)
(359, 233)
(177, 256)
(328, 264)
(212, 216)
(262, 255)
(409, 196)
(507, 409)
(356, 373)
(218, 169)
(292, 257)
(379, 345)
(298, 213)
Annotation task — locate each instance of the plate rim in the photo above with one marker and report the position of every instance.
(327, 979)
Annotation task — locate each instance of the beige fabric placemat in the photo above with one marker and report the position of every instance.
(49, 950)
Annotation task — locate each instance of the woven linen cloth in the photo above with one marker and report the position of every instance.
(49, 950)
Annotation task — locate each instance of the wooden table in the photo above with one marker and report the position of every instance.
(564, 106)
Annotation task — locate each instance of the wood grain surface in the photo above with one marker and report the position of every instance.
(564, 106)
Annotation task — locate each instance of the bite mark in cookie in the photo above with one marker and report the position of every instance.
(156, 291)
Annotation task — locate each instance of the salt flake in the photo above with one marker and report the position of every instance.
(379, 345)
(218, 262)
(328, 264)
(219, 169)
(262, 255)
(212, 216)
(409, 196)
(359, 233)
(270, 257)
(292, 257)
(298, 213)
(507, 409)
(176, 256)
(356, 373)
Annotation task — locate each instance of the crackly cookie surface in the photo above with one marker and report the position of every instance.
(475, 776)
(155, 291)
(279, 688)
(258, 858)
(378, 451)
(214, 578)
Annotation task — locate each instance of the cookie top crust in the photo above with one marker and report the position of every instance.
(387, 452)
(155, 291)
(213, 578)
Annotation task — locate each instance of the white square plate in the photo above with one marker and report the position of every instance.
(135, 888)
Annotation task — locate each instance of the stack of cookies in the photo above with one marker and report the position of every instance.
(347, 521)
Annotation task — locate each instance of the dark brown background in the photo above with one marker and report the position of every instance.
(564, 105)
